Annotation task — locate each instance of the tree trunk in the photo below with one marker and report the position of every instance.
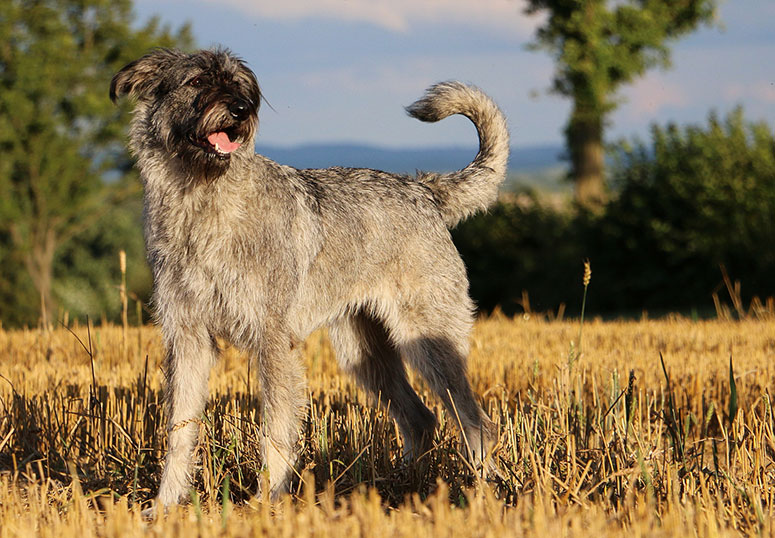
(40, 265)
(584, 136)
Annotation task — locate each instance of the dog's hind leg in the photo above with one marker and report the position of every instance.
(282, 379)
(363, 348)
(442, 364)
(434, 341)
(190, 357)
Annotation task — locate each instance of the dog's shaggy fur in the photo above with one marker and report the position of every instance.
(261, 254)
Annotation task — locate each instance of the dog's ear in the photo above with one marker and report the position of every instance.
(141, 77)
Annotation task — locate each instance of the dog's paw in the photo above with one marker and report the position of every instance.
(155, 510)
(150, 513)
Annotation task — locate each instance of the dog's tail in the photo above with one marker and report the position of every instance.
(461, 194)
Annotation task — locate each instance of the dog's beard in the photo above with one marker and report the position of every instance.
(207, 149)
(201, 165)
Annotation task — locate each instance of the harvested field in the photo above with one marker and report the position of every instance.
(595, 437)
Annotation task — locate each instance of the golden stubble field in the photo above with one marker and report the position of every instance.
(595, 437)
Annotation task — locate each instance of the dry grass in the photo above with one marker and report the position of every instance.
(583, 450)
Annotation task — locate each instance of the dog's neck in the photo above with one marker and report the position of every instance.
(156, 167)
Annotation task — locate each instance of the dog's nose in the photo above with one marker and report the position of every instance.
(239, 110)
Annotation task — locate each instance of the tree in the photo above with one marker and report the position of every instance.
(598, 46)
(692, 200)
(60, 136)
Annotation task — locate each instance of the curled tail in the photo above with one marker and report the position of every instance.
(461, 194)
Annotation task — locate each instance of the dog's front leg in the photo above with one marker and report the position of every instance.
(283, 384)
(190, 356)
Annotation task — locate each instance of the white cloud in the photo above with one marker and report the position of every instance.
(398, 15)
(760, 91)
(649, 95)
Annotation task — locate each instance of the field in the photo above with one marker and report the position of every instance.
(640, 428)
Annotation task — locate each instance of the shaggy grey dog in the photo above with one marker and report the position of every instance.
(261, 254)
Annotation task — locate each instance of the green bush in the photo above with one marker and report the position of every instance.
(520, 246)
(697, 198)
(87, 272)
(692, 200)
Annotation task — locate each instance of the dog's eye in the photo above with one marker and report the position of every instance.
(196, 81)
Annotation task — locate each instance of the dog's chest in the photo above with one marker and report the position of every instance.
(201, 233)
(227, 259)
(201, 248)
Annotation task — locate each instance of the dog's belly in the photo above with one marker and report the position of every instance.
(329, 290)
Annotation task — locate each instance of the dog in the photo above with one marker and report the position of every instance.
(260, 254)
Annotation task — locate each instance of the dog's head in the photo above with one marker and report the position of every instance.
(201, 107)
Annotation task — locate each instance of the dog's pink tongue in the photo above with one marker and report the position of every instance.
(221, 141)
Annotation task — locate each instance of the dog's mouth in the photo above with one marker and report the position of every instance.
(219, 143)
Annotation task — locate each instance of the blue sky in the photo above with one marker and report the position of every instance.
(342, 70)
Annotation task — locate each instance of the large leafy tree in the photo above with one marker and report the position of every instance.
(63, 165)
(598, 46)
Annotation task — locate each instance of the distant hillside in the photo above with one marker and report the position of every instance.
(523, 161)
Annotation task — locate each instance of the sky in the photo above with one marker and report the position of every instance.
(341, 71)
